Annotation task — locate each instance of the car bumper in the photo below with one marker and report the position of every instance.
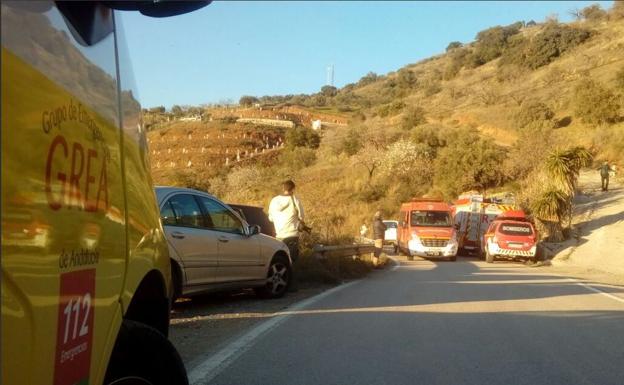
(495, 249)
(417, 248)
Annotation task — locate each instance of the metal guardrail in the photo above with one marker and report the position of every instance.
(357, 249)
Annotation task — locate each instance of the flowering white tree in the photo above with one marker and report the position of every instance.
(405, 158)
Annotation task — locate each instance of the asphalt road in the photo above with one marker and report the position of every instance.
(463, 322)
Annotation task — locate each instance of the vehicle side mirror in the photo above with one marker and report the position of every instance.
(254, 230)
(158, 8)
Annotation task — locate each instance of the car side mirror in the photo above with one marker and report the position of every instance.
(254, 230)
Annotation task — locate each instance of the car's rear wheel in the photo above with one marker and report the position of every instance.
(453, 258)
(278, 279)
(489, 258)
(143, 356)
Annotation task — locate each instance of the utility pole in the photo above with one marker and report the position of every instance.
(329, 80)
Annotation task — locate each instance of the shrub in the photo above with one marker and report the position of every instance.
(352, 143)
(528, 152)
(298, 157)
(369, 78)
(432, 88)
(406, 78)
(546, 46)
(534, 114)
(593, 12)
(595, 104)
(413, 117)
(492, 42)
(391, 108)
(451, 70)
(468, 163)
(302, 137)
(619, 79)
(431, 135)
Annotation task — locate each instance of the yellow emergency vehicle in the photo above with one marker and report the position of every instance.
(85, 265)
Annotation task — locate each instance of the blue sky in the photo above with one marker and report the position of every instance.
(229, 49)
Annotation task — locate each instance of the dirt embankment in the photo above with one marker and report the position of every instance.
(596, 250)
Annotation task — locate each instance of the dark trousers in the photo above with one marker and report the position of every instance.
(605, 183)
(293, 247)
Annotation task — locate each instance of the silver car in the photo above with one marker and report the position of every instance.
(212, 248)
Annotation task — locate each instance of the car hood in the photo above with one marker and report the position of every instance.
(433, 232)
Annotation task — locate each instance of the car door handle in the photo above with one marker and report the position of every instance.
(224, 239)
(177, 234)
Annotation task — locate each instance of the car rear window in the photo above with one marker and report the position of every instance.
(515, 229)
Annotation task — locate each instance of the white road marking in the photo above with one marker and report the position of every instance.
(397, 263)
(210, 367)
(591, 288)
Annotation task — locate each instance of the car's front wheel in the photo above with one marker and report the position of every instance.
(278, 279)
(143, 356)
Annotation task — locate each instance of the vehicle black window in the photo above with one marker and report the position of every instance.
(430, 218)
(391, 225)
(515, 229)
(167, 215)
(220, 218)
(186, 210)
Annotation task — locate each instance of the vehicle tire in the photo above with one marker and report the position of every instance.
(142, 355)
(396, 249)
(176, 281)
(453, 258)
(410, 257)
(489, 258)
(278, 279)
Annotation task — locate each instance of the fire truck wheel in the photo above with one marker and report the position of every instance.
(142, 355)
(410, 257)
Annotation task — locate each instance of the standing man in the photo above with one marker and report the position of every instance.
(379, 233)
(286, 213)
(604, 175)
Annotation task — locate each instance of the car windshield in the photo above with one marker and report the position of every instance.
(430, 218)
(390, 225)
(516, 229)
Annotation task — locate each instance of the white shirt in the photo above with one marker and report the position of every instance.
(285, 211)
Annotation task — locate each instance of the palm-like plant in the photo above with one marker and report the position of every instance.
(564, 167)
(550, 207)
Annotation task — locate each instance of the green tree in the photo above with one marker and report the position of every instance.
(453, 45)
(329, 91)
(302, 137)
(469, 163)
(248, 101)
